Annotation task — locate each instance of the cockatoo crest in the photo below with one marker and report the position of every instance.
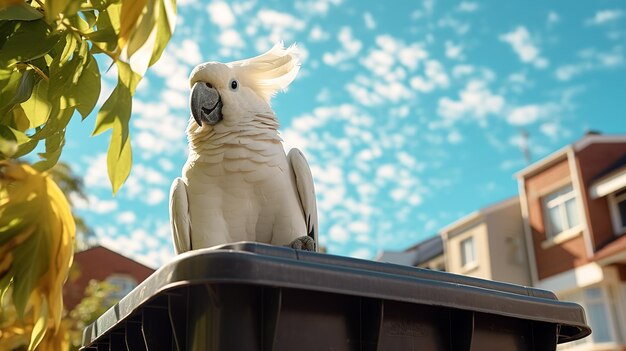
(265, 74)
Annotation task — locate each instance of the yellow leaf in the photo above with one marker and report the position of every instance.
(38, 108)
(131, 10)
(39, 329)
(54, 8)
(41, 251)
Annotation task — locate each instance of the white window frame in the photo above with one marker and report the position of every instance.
(559, 202)
(619, 228)
(126, 278)
(465, 263)
(580, 297)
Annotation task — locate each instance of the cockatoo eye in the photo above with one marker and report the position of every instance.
(234, 85)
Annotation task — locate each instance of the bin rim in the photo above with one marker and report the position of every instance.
(265, 265)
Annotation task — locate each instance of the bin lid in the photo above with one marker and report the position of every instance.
(267, 265)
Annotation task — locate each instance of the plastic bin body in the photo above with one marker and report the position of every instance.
(250, 296)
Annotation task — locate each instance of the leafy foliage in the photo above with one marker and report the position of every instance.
(73, 187)
(49, 71)
(96, 301)
(37, 235)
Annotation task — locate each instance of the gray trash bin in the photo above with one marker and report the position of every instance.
(250, 296)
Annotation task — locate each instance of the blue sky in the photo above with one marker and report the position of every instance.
(410, 112)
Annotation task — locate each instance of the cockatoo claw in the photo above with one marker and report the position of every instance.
(305, 243)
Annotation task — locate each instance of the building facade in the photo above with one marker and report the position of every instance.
(574, 212)
(488, 244)
(102, 264)
(564, 232)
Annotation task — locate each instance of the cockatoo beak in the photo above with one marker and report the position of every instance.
(205, 104)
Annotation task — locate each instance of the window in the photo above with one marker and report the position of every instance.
(561, 211)
(597, 304)
(618, 211)
(123, 283)
(468, 252)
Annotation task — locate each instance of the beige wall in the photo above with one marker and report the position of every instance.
(509, 262)
(478, 230)
(498, 234)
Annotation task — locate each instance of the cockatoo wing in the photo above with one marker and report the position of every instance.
(179, 216)
(306, 191)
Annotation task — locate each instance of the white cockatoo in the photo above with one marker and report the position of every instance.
(238, 184)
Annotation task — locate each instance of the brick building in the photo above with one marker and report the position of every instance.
(102, 264)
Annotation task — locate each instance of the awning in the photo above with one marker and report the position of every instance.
(608, 184)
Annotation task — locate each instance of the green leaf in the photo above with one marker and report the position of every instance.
(119, 158)
(142, 28)
(26, 269)
(9, 141)
(40, 327)
(59, 118)
(29, 41)
(22, 12)
(94, 4)
(106, 33)
(9, 81)
(13, 135)
(38, 108)
(63, 76)
(115, 115)
(54, 8)
(26, 148)
(54, 146)
(89, 16)
(165, 28)
(20, 120)
(88, 88)
(127, 76)
(68, 49)
(21, 90)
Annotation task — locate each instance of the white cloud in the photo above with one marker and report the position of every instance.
(476, 102)
(338, 233)
(462, 70)
(315, 7)
(454, 137)
(230, 38)
(140, 177)
(175, 99)
(154, 196)
(350, 47)
(604, 16)
(96, 175)
(126, 217)
(188, 52)
(318, 34)
(461, 28)
(370, 23)
(466, 6)
(524, 47)
(273, 18)
(277, 26)
(96, 205)
(434, 77)
(166, 164)
(591, 59)
(553, 18)
(550, 129)
(524, 115)
(454, 51)
(567, 72)
(221, 14)
(158, 130)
